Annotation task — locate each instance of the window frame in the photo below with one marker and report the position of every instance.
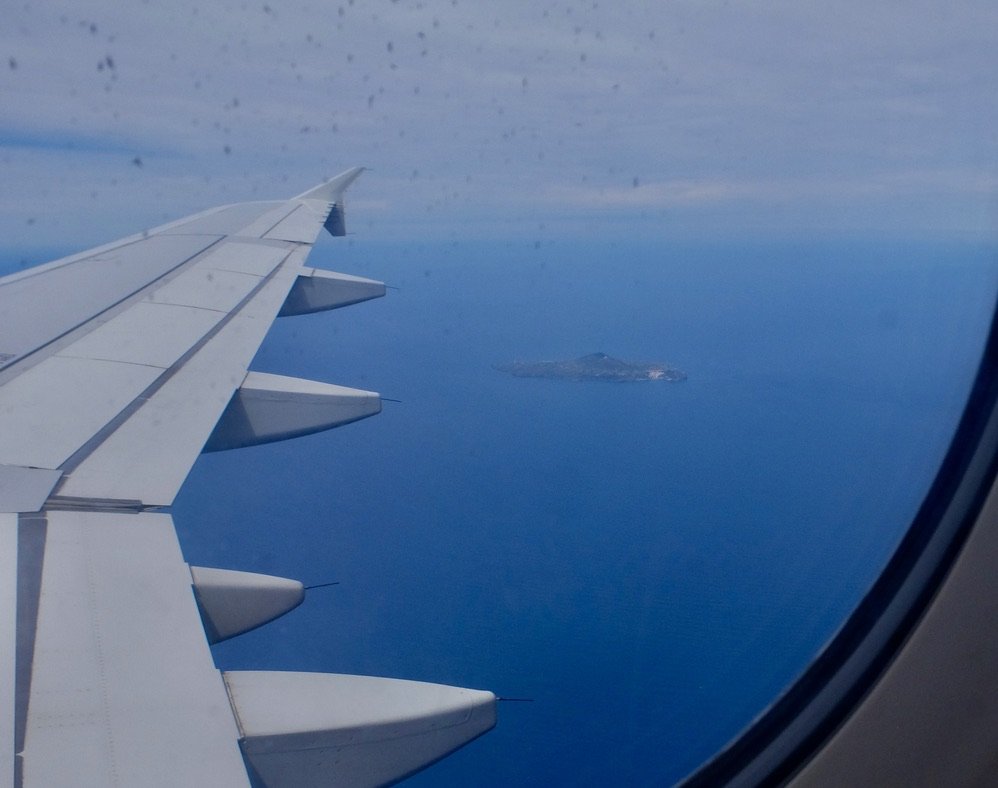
(778, 743)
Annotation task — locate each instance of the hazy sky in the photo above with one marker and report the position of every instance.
(513, 119)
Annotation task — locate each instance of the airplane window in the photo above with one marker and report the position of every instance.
(772, 228)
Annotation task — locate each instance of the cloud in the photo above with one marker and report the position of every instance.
(501, 107)
(694, 193)
(655, 195)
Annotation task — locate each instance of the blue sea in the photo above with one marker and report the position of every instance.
(650, 563)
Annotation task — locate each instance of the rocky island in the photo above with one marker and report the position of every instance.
(595, 366)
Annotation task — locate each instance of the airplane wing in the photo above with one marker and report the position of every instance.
(118, 366)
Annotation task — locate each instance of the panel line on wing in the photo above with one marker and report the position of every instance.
(302, 225)
(124, 691)
(8, 642)
(149, 456)
(19, 366)
(73, 503)
(73, 259)
(252, 230)
(31, 535)
(111, 426)
(229, 220)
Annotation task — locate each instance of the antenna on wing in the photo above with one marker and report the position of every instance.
(322, 585)
(516, 700)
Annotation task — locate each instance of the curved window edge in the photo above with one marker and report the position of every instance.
(790, 732)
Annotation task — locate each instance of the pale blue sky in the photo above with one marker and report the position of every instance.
(525, 119)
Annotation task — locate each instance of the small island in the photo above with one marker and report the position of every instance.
(595, 366)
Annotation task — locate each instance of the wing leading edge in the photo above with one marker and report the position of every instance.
(105, 403)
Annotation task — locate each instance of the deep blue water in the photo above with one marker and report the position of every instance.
(651, 563)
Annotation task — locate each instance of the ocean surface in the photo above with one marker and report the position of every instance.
(651, 563)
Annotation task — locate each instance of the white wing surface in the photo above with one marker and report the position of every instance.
(118, 366)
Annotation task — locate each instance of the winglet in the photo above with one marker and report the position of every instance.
(332, 190)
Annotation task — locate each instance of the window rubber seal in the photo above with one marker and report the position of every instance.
(784, 737)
